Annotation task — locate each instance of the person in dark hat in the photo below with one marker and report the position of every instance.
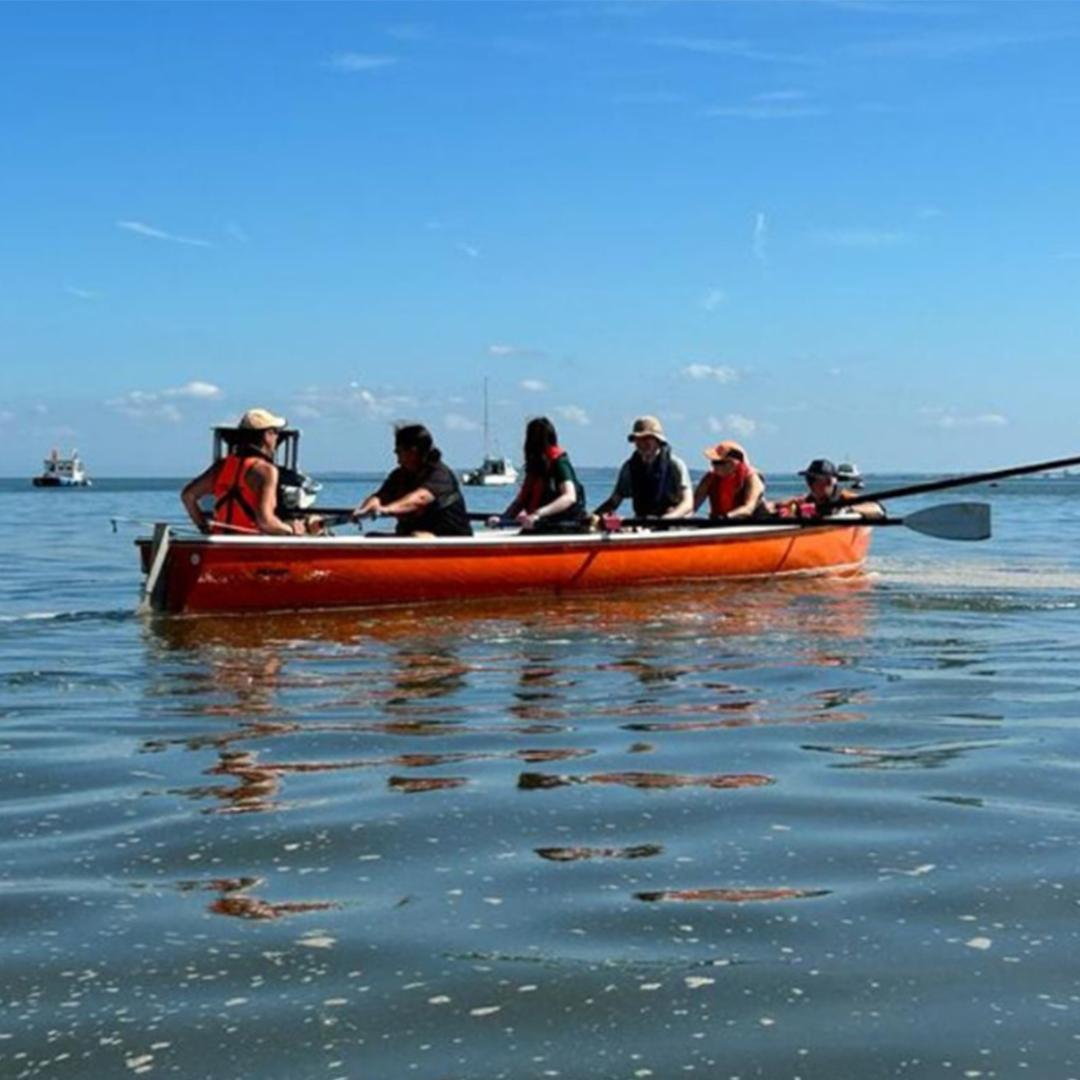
(825, 496)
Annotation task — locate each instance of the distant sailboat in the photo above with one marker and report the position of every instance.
(495, 471)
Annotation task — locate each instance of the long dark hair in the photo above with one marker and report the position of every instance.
(417, 437)
(540, 434)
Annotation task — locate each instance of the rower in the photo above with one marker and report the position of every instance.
(733, 487)
(551, 497)
(655, 479)
(825, 496)
(422, 493)
(244, 483)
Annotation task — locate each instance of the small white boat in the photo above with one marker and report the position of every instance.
(849, 474)
(495, 471)
(62, 472)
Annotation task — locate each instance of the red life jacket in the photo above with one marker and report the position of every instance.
(234, 497)
(538, 489)
(726, 492)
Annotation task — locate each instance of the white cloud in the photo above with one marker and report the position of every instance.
(713, 299)
(468, 249)
(194, 389)
(351, 401)
(738, 48)
(720, 372)
(142, 229)
(767, 108)
(351, 61)
(949, 46)
(949, 419)
(760, 238)
(733, 424)
(509, 351)
(306, 412)
(861, 238)
(159, 404)
(81, 294)
(410, 31)
(575, 414)
(928, 212)
(534, 386)
(457, 422)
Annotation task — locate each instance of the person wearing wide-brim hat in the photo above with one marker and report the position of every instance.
(734, 488)
(825, 496)
(655, 479)
(244, 483)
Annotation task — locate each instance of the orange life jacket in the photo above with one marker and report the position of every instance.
(726, 492)
(234, 497)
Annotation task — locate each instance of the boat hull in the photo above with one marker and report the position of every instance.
(223, 574)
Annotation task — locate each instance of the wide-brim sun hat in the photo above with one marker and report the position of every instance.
(647, 425)
(262, 420)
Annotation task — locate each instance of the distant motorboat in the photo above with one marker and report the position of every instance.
(849, 474)
(62, 472)
(495, 470)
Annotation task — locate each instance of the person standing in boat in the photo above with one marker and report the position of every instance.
(422, 493)
(551, 496)
(825, 496)
(244, 483)
(735, 489)
(655, 479)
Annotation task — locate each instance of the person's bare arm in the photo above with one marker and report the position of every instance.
(753, 491)
(264, 477)
(566, 498)
(197, 489)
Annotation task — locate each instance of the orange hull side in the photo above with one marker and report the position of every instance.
(247, 574)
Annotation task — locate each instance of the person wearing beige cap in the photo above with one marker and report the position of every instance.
(243, 484)
(655, 479)
(732, 485)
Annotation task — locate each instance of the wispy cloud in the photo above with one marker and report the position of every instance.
(737, 48)
(928, 212)
(507, 352)
(574, 414)
(719, 372)
(140, 228)
(354, 62)
(410, 31)
(948, 46)
(713, 299)
(949, 418)
(861, 238)
(235, 232)
(649, 97)
(81, 294)
(760, 238)
(457, 422)
(468, 249)
(773, 105)
(733, 424)
(355, 400)
(534, 386)
(161, 404)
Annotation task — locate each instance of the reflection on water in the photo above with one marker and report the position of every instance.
(210, 818)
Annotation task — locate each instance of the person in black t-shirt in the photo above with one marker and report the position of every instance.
(422, 493)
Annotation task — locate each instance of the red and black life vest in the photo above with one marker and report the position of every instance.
(728, 492)
(540, 487)
(234, 497)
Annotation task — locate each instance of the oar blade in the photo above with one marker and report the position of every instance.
(953, 521)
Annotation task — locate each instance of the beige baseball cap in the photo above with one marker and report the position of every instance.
(261, 420)
(647, 425)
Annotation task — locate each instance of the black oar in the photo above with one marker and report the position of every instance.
(951, 521)
(960, 481)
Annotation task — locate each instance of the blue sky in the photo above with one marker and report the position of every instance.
(826, 228)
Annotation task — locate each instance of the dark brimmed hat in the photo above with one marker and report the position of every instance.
(820, 467)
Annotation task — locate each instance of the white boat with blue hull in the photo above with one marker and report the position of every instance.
(59, 472)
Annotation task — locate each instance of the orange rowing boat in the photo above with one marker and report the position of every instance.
(201, 574)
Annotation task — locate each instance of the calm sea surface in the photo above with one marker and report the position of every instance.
(812, 829)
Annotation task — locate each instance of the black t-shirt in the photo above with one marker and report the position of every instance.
(446, 516)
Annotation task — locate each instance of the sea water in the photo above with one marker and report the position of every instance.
(817, 828)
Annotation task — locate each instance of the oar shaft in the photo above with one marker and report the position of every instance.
(960, 481)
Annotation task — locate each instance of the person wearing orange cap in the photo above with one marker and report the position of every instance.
(243, 484)
(734, 489)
